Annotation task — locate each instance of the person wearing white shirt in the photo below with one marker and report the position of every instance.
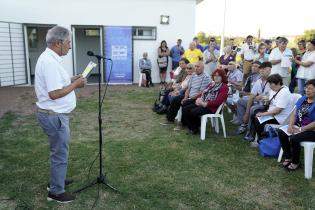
(210, 57)
(280, 58)
(280, 105)
(235, 80)
(306, 71)
(248, 50)
(259, 93)
(56, 99)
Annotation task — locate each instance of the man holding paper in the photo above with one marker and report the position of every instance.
(280, 59)
(301, 128)
(56, 99)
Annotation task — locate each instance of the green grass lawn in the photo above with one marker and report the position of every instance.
(153, 166)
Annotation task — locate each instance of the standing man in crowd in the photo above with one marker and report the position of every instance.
(176, 52)
(280, 60)
(248, 50)
(56, 99)
(198, 45)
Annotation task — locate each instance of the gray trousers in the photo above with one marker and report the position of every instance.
(56, 127)
(241, 108)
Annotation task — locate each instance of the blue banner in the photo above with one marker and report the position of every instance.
(118, 47)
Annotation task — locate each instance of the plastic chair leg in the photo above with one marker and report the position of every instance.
(308, 161)
(203, 127)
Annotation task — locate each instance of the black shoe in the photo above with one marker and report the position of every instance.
(162, 110)
(67, 182)
(248, 138)
(61, 198)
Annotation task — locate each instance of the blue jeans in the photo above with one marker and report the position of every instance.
(301, 85)
(56, 127)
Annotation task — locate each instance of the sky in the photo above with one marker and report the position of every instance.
(244, 17)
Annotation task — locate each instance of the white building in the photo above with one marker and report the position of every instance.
(24, 24)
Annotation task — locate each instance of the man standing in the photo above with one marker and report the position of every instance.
(198, 45)
(56, 99)
(280, 59)
(176, 52)
(248, 50)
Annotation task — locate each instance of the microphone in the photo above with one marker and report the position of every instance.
(90, 53)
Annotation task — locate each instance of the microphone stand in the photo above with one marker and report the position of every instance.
(101, 179)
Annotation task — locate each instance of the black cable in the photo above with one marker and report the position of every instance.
(97, 198)
(91, 165)
(110, 73)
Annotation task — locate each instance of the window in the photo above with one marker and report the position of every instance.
(92, 32)
(144, 33)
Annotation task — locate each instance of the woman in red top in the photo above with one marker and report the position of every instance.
(208, 102)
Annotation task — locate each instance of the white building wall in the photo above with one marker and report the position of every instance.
(115, 13)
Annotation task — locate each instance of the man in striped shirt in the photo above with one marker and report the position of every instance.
(198, 82)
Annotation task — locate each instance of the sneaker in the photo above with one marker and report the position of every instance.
(242, 128)
(248, 138)
(61, 198)
(67, 182)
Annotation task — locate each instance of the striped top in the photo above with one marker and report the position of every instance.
(198, 83)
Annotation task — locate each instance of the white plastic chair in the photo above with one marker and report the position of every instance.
(179, 115)
(216, 116)
(140, 79)
(308, 158)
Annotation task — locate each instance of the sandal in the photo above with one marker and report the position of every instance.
(293, 167)
(285, 163)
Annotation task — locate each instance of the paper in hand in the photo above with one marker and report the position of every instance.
(88, 69)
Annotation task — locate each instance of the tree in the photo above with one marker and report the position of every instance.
(308, 34)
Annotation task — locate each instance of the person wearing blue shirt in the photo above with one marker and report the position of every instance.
(145, 66)
(176, 53)
(199, 46)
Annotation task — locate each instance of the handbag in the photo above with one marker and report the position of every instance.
(270, 146)
(162, 62)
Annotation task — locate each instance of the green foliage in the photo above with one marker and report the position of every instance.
(308, 34)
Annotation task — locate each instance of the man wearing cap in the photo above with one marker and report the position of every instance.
(259, 94)
(248, 50)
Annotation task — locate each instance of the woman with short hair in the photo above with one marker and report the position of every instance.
(301, 128)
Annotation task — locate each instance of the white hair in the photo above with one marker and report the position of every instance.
(57, 33)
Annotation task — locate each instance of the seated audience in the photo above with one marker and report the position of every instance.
(225, 59)
(205, 103)
(196, 85)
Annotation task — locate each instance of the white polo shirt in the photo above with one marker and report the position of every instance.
(276, 54)
(307, 72)
(248, 51)
(49, 76)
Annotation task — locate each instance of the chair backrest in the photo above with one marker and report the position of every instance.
(220, 108)
(295, 97)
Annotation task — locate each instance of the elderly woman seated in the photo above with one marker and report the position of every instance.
(279, 105)
(301, 128)
(207, 102)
